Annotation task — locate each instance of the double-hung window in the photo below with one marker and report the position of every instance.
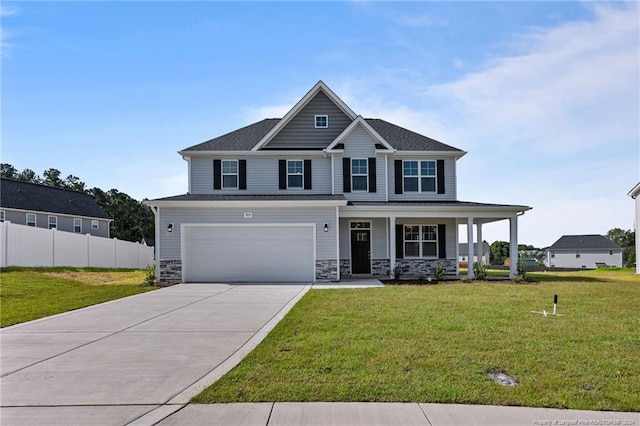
(1, 215)
(295, 171)
(419, 176)
(31, 219)
(421, 241)
(95, 224)
(77, 225)
(53, 222)
(359, 178)
(230, 174)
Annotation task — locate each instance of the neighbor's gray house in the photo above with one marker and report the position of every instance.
(463, 254)
(583, 251)
(47, 207)
(316, 195)
(634, 193)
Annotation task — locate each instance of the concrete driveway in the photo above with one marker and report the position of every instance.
(125, 360)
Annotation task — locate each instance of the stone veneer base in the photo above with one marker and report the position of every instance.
(170, 271)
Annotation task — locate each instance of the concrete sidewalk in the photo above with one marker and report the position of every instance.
(387, 414)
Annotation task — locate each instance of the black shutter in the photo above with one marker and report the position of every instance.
(372, 174)
(442, 241)
(217, 174)
(440, 176)
(346, 175)
(242, 174)
(398, 176)
(282, 174)
(399, 241)
(307, 174)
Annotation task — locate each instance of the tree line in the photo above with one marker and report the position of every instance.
(132, 220)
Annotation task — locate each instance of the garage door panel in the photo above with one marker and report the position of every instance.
(248, 253)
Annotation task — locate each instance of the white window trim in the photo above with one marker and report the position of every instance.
(236, 174)
(35, 219)
(295, 174)
(366, 174)
(49, 222)
(420, 241)
(315, 121)
(2, 216)
(95, 224)
(74, 225)
(419, 176)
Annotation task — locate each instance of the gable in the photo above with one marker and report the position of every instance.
(300, 132)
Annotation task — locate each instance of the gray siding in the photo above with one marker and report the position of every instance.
(380, 235)
(359, 145)
(449, 180)
(451, 231)
(170, 242)
(300, 132)
(262, 175)
(65, 223)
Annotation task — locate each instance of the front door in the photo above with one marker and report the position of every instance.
(360, 251)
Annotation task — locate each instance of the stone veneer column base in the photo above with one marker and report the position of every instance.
(170, 271)
(327, 270)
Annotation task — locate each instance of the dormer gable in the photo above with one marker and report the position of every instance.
(313, 123)
(360, 124)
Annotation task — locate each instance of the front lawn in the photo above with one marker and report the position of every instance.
(31, 293)
(436, 343)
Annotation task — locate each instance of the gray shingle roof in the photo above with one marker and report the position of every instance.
(247, 137)
(434, 204)
(239, 140)
(584, 242)
(41, 198)
(228, 197)
(405, 140)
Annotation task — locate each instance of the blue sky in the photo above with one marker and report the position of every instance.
(544, 96)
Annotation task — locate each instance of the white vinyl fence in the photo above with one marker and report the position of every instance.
(22, 245)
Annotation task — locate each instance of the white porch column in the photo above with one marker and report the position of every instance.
(513, 246)
(392, 245)
(470, 246)
(479, 246)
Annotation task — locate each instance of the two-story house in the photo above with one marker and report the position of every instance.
(315, 195)
(43, 206)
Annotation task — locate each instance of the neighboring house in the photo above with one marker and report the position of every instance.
(47, 207)
(317, 194)
(635, 193)
(463, 254)
(583, 251)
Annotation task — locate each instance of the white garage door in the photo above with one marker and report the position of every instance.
(262, 253)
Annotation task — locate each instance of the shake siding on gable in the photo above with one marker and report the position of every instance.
(449, 181)
(170, 242)
(262, 175)
(300, 132)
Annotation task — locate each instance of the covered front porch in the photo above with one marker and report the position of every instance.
(415, 238)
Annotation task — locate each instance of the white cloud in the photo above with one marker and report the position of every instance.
(572, 88)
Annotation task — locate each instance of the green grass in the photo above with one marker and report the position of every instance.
(436, 343)
(31, 293)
